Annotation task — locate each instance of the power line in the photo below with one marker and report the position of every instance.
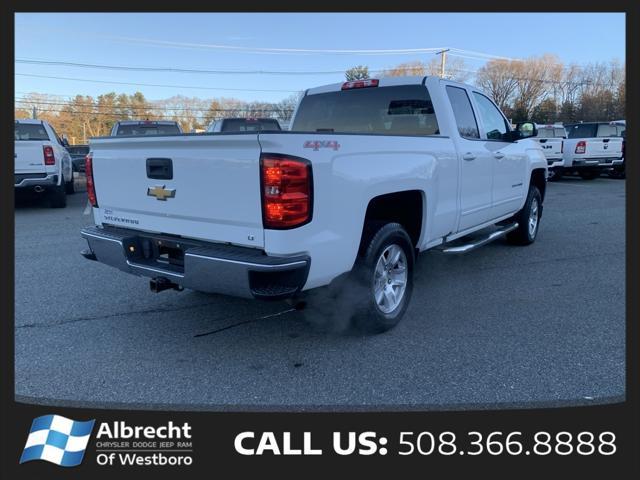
(154, 84)
(179, 70)
(262, 50)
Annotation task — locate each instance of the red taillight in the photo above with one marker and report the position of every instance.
(286, 191)
(373, 82)
(49, 157)
(581, 147)
(91, 188)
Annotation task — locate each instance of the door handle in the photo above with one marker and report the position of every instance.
(498, 155)
(468, 156)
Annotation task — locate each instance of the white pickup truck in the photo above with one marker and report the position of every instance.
(591, 148)
(41, 161)
(551, 139)
(372, 173)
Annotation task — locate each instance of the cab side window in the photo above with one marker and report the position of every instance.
(494, 123)
(463, 112)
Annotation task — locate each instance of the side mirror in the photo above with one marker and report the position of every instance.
(526, 129)
(65, 142)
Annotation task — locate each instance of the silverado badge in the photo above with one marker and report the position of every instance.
(161, 193)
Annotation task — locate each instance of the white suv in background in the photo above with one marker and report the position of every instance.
(551, 139)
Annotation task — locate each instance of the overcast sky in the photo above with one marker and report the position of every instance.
(301, 42)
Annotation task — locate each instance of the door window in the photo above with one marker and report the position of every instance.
(463, 112)
(494, 123)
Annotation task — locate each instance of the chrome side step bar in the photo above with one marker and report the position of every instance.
(467, 247)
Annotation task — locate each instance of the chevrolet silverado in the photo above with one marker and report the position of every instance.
(372, 173)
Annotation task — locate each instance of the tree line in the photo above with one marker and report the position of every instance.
(541, 89)
(82, 117)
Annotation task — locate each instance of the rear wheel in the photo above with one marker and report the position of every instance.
(555, 175)
(384, 273)
(589, 174)
(58, 195)
(69, 187)
(528, 219)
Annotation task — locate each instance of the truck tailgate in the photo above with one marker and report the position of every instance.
(604, 147)
(552, 147)
(212, 193)
(29, 157)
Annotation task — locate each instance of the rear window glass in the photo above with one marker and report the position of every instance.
(248, 125)
(581, 130)
(30, 131)
(401, 110)
(551, 132)
(147, 129)
(605, 130)
(78, 149)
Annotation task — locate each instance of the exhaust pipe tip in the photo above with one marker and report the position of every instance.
(38, 189)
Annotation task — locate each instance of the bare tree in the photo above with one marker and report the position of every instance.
(456, 69)
(498, 79)
(406, 69)
(359, 72)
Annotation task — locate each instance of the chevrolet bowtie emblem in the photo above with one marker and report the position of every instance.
(161, 193)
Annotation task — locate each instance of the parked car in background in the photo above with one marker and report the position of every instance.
(371, 173)
(551, 140)
(78, 154)
(619, 171)
(145, 127)
(41, 162)
(591, 148)
(244, 125)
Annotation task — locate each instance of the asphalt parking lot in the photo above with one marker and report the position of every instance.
(502, 326)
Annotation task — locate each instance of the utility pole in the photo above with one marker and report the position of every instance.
(34, 113)
(84, 133)
(443, 60)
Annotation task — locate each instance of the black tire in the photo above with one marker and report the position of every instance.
(347, 304)
(589, 174)
(523, 235)
(617, 173)
(69, 187)
(555, 175)
(369, 315)
(58, 195)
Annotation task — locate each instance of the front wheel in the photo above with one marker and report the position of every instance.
(528, 219)
(384, 274)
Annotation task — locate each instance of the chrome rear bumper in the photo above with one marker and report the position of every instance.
(203, 266)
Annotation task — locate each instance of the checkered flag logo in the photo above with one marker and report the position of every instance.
(57, 440)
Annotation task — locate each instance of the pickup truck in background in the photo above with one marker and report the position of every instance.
(372, 173)
(41, 162)
(591, 148)
(244, 125)
(619, 171)
(78, 154)
(551, 140)
(145, 127)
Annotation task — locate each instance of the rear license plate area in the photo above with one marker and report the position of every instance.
(159, 253)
